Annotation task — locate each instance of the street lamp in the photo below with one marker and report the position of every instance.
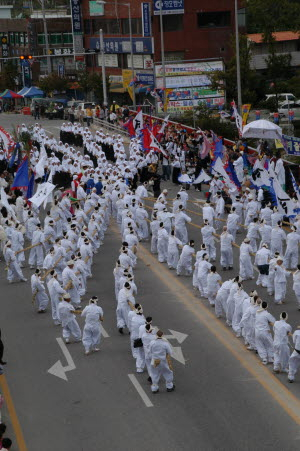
(103, 2)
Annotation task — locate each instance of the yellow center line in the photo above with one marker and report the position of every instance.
(248, 360)
(13, 414)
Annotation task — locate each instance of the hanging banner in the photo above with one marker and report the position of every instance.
(146, 19)
(76, 16)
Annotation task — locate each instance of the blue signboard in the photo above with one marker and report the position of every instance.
(122, 45)
(76, 16)
(145, 79)
(168, 7)
(291, 144)
(61, 70)
(146, 19)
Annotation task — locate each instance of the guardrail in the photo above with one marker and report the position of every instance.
(113, 127)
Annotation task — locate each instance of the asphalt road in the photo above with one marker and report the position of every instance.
(225, 399)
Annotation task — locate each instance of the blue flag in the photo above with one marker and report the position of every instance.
(29, 193)
(21, 180)
(13, 155)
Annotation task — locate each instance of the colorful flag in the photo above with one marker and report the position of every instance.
(30, 187)
(21, 179)
(138, 123)
(295, 186)
(245, 113)
(130, 128)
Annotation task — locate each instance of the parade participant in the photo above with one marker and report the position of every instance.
(17, 241)
(173, 252)
(246, 268)
(263, 337)
(208, 213)
(154, 226)
(180, 225)
(214, 281)
(292, 249)
(160, 353)
(136, 320)
(265, 233)
(71, 283)
(219, 209)
(239, 300)
(141, 220)
(282, 330)
(262, 258)
(14, 272)
(39, 294)
(221, 298)
(296, 285)
(56, 292)
(204, 268)
(69, 323)
(230, 304)
(294, 361)
(162, 243)
(91, 335)
(280, 281)
(227, 241)
(276, 217)
(147, 337)
(185, 260)
(125, 297)
(232, 222)
(277, 238)
(252, 233)
(251, 211)
(207, 232)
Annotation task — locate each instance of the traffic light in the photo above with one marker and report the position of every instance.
(26, 57)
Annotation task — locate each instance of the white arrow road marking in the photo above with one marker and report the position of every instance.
(103, 332)
(140, 390)
(177, 354)
(180, 337)
(57, 369)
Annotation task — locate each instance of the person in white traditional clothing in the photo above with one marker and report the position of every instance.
(160, 352)
(56, 292)
(185, 260)
(282, 330)
(280, 281)
(14, 272)
(91, 335)
(226, 250)
(69, 323)
(39, 294)
(263, 337)
(173, 252)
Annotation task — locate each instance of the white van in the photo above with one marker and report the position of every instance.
(283, 97)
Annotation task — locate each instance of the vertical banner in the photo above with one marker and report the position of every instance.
(127, 78)
(245, 113)
(76, 16)
(146, 19)
(61, 70)
(26, 73)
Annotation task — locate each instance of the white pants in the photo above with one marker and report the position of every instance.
(161, 370)
(41, 300)
(291, 258)
(36, 256)
(226, 258)
(72, 328)
(14, 272)
(154, 244)
(181, 234)
(280, 290)
(220, 304)
(91, 336)
(281, 357)
(122, 316)
(246, 268)
(264, 345)
(173, 258)
(294, 364)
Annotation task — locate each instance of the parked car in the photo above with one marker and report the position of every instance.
(283, 97)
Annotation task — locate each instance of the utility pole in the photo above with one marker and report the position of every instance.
(103, 67)
(238, 65)
(162, 51)
(46, 38)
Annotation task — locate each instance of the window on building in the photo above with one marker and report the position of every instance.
(55, 38)
(174, 56)
(136, 25)
(214, 19)
(109, 26)
(41, 38)
(173, 22)
(11, 38)
(67, 38)
(22, 41)
(26, 39)
(87, 26)
(17, 38)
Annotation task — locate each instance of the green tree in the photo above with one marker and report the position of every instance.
(8, 76)
(53, 83)
(92, 82)
(250, 81)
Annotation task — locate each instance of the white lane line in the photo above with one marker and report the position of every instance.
(104, 333)
(140, 390)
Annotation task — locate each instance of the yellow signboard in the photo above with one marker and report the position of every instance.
(127, 78)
